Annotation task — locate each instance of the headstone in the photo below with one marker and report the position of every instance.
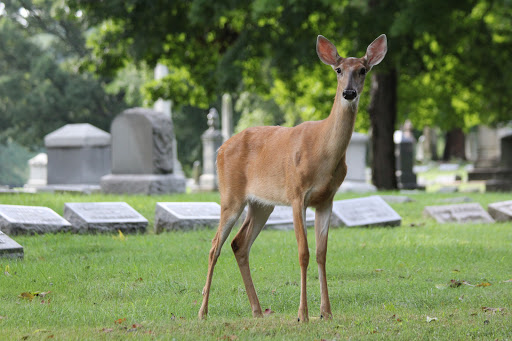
(488, 150)
(355, 180)
(501, 211)
(142, 155)
(430, 143)
(16, 220)
(9, 248)
(78, 154)
(471, 145)
(227, 117)
(212, 140)
(396, 199)
(176, 216)
(404, 153)
(368, 211)
(448, 167)
(282, 218)
(456, 200)
(38, 171)
(502, 176)
(461, 213)
(98, 217)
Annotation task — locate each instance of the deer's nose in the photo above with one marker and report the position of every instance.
(349, 94)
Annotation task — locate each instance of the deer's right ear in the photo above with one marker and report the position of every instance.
(327, 51)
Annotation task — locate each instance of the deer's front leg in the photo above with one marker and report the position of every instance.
(302, 243)
(322, 218)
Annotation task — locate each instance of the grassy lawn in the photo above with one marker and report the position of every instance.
(384, 283)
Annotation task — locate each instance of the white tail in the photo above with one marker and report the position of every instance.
(301, 166)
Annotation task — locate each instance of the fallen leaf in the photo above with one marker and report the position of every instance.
(430, 319)
(120, 237)
(492, 310)
(119, 321)
(487, 322)
(37, 331)
(139, 279)
(379, 270)
(461, 298)
(456, 270)
(229, 337)
(484, 284)
(268, 311)
(508, 281)
(43, 294)
(107, 330)
(26, 295)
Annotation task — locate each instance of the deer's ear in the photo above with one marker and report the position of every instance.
(376, 52)
(327, 51)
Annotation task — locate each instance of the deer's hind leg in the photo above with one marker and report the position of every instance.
(256, 218)
(228, 216)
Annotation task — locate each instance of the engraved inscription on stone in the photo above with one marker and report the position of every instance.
(366, 211)
(92, 217)
(462, 213)
(170, 216)
(282, 218)
(9, 248)
(30, 220)
(501, 211)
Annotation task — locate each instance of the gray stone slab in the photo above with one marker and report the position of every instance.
(396, 199)
(176, 216)
(368, 211)
(77, 135)
(142, 183)
(16, 220)
(98, 217)
(461, 213)
(9, 248)
(282, 218)
(501, 211)
(456, 200)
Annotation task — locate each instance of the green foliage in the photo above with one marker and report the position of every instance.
(149, 286)
(13, 164)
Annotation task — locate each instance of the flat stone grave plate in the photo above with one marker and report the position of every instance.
(98, 217)
(17, 219)
(501, 211)
(282, 218)
(9, 248)
(396, 199)
(173, 216)
(461, 213)
(368, 211)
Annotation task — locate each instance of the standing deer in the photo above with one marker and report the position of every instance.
(301, 167)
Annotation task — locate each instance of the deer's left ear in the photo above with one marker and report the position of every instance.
(376, 51)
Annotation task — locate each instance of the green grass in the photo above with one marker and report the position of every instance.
(151, 284)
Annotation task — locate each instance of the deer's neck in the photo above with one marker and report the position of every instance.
(340, 124)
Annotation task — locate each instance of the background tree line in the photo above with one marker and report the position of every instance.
(447, 65)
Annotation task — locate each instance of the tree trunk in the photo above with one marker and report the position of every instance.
(382, 111)
(455, 145)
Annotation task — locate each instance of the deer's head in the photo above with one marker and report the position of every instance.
(351, 71)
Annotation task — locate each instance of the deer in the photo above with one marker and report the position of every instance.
(301, 166)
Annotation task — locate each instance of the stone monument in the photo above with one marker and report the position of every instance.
(78, 154)
(501, 179)
(501, 211)
(185, 216)
(142, 154)
(9, 248)
(404, 152)
(227, 117)
(355, 181)
(98, 217)
(461, 213)
(38, 171)
(16, 220)
(368, 211)
(212, 140)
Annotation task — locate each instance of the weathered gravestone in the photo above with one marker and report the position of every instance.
(171, 216)
(462, 213)
(355, 181)
(282, 218)
(16, 220)
(78, 154)
(9, 248)
(38, 171)
(212, 140)
(142, 154)
(501, 211)
(97, 217)
(368, 211)
(404, 153)
(396, 199)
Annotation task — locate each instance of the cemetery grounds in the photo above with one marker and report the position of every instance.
(422, 280)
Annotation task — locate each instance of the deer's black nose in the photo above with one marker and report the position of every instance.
(349, 94)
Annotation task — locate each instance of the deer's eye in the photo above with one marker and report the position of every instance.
(338, 70)
(362, 72)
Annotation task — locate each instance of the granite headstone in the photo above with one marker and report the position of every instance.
(461, 213)
(368, 211)
(501, 211)
(173, 216)
(9, 248)
(16, 220)
(282, 218)
(97, 217)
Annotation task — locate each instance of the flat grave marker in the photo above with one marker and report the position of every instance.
(461, 213)
(15, 220)
(174, 216)
(98, 217)
(368, 211)
(282, 218)
(501, 211)
(9, 248)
